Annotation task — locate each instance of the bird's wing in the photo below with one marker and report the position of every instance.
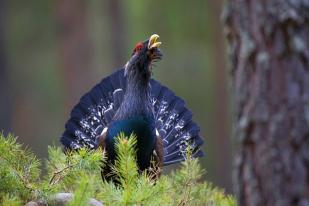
(157, 162)
(101, 138)
(158, 151)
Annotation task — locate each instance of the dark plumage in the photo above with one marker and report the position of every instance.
(129, 101)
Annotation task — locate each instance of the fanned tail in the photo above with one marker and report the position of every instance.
(175, 125)
(93, 113)
(97, 108)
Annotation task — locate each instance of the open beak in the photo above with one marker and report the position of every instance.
(153, 45)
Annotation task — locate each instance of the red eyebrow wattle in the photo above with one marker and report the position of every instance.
(138, 46)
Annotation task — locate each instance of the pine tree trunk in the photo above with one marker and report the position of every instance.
(269, 53)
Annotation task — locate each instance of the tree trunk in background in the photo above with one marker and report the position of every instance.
(5, 91)
(117, 33)
(76, 48)
(223, 141)
(269, 51)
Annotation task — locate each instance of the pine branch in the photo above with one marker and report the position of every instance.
(57, 173)
(75, 178)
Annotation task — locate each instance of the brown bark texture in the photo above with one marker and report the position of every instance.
(269, 56)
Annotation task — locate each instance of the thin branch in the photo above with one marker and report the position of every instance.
(52, 182)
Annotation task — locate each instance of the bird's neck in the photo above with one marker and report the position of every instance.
(137, 89)
(137, 99)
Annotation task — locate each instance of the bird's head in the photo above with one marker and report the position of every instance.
(144, 55)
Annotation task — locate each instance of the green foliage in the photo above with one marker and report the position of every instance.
(79, 173)
(65, 171)
(9, 200)
(19, 169)
(125, 167)
(83, 191)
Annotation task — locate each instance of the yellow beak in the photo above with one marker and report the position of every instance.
(153, 43)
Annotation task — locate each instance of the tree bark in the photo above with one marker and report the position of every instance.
(5, 90)
(269, 56)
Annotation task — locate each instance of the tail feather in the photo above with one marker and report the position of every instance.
(189, 132)
(175, 125)
(182, 118)
(97, 108)
(94, 111)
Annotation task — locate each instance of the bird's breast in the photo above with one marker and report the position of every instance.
(144, 129)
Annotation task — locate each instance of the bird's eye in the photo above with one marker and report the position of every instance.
(139, 46)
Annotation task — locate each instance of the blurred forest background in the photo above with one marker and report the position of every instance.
(52, 52)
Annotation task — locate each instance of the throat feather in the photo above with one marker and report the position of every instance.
(136, 100)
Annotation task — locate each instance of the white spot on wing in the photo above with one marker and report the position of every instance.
(104, 131)
(157, 133)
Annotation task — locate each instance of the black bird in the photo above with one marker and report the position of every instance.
(129, 101)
